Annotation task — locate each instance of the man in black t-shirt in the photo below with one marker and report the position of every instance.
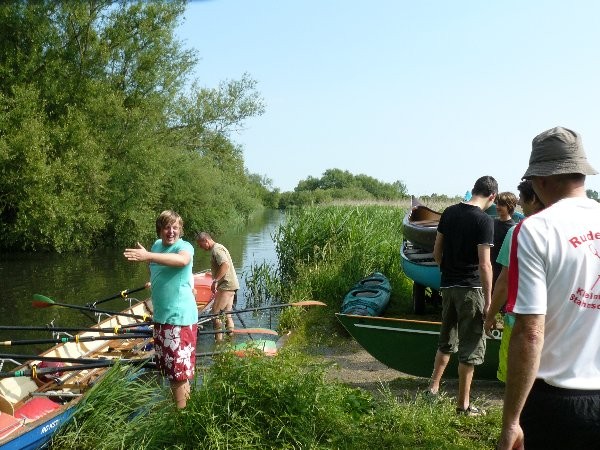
(462, 250)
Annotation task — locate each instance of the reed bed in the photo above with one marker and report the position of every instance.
(323, 251)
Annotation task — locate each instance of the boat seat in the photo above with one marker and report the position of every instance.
(8, 424)
(420, 256)
(426, 223)
(370, 283)
(6, 406)
(14, 390)
(365, 293)
(35, 408)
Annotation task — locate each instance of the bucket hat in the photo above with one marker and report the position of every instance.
(557, 151)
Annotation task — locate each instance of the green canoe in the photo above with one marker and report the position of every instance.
(409, 346)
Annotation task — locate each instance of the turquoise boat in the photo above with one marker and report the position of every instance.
(369, 297)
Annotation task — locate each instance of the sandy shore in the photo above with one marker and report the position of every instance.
(354, 366)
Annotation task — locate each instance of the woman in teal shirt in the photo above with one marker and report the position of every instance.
(174, 307)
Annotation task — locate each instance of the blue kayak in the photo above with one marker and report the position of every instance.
(369, 297)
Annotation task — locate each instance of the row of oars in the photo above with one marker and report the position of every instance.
(129, 331)
(41, 301)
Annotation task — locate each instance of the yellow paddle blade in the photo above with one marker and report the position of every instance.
(308, 303)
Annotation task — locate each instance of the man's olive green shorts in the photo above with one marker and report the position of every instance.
(462, 324)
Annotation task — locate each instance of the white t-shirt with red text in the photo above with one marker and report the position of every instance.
(555, 270)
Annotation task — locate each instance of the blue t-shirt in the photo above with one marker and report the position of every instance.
(172, 297)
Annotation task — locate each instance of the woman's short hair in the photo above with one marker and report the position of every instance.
(507, 199)
(166, 218)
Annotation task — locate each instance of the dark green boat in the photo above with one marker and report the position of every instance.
(369, 297)
(409, 346)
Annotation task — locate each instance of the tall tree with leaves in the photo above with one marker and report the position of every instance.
(98, 132)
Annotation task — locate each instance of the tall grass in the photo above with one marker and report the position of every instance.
(324, 251)
(283, 402)
(112, 409)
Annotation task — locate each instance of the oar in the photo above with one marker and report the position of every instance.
(18, 357)
(122, 294)
(242, 331)
(122, 334)
(239, 316)
(260, 308)
(41, 301)
(137, 328)
(75, 339)
(207, 354)
(34, 372)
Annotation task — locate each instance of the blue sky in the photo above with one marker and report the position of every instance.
(432, 93)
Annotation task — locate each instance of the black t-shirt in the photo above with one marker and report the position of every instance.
(464, 227)
(500, 230)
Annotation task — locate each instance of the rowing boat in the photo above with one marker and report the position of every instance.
(32, 409)
(409, 346)
(369, 297)
(202, 285)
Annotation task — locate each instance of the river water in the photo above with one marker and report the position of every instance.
(83, 278)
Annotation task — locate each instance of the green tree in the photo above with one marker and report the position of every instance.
(98, 132)
(342, 185)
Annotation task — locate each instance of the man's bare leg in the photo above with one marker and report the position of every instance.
(439, 366)
(465, 376)
(181, 392)
(223, 303)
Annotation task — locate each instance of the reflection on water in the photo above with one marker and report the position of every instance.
(81, 279)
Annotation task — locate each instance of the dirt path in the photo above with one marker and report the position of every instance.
(354, 366)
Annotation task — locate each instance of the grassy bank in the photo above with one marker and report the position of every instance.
(283, 402)
(287, 402)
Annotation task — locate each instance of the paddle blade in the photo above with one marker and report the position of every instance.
(254, 331)
(309, 303)
(41, 301)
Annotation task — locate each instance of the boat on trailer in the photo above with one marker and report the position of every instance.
(409, 346)
(33, 409)
(419, 228)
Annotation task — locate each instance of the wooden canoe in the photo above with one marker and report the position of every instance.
(32, 410)
(419, 225)
(409, 346)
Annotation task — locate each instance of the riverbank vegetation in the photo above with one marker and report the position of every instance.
(288, 401)
(339, 185)
(282, 402)
(101, 128)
